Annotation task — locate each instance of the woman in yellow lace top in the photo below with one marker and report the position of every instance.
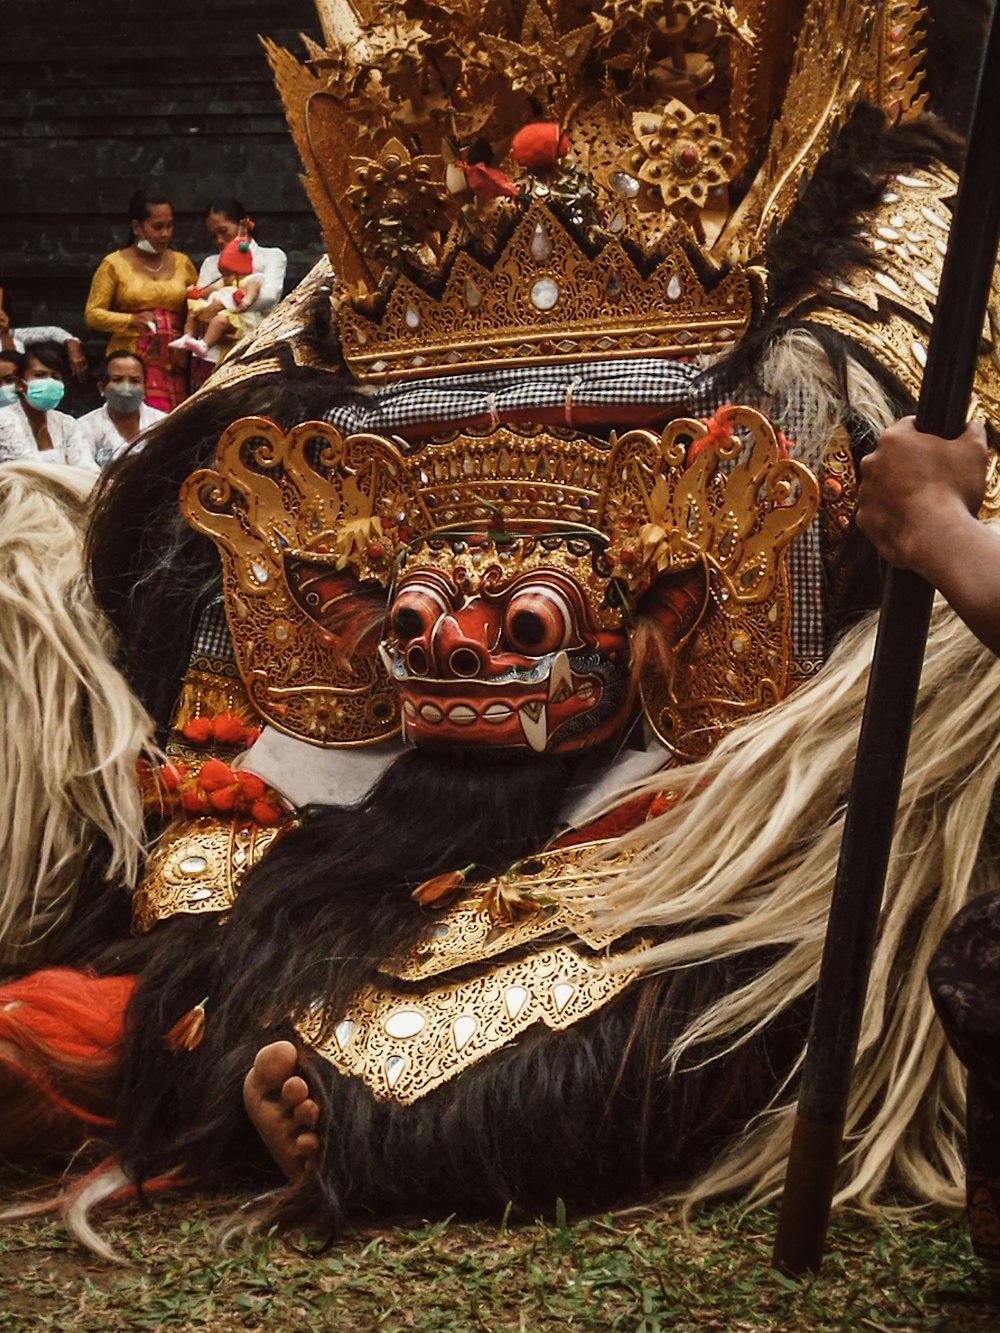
(139, 296)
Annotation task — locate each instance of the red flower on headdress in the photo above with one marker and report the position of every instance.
(539, 145)
(488, 182)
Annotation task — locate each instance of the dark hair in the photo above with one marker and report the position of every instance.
(104, 369)
(50, 354)
(229, 208)
(139, 207)
(14, 357)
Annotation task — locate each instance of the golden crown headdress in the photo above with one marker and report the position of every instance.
(569, 179)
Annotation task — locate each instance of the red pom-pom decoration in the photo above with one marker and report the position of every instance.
(252, 788)
(228, 728)
(223, 800)
(264, 812)
(539, 146)
(199, 730)
(215, 774)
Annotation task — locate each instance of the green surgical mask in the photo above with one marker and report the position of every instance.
(44, 394)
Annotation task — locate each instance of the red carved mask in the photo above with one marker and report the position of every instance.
(507, 640)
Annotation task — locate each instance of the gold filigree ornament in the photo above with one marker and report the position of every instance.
(404, 1044)
(888, 307)
(400, 203)
(683, 156)
(312, 524)
(662, 105)
(197, 867)
(285, 511)
(428, 1019)
(723, 498)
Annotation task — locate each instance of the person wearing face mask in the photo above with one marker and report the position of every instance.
(125, 414)
(31, 388)
(139, 296)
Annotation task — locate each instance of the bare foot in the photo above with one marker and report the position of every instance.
(278, 1102)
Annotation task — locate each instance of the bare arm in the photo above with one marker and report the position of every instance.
(918, 501)
(251, 286)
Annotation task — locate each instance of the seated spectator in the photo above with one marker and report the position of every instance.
(30, 426)
(125, 414)
(20, 339)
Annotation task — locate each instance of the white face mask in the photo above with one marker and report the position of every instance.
(147, 247)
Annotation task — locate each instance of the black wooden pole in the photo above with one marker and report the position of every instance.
(885, 728)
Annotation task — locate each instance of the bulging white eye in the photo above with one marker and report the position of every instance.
(416, 609)
(538, 619)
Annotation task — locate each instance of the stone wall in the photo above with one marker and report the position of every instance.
(100, 99)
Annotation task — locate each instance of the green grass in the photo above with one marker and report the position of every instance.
(638, 1270)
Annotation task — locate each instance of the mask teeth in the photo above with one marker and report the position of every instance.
(536, 730)
(560, 679)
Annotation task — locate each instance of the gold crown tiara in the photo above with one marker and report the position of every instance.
(550, 180)
(292, 512)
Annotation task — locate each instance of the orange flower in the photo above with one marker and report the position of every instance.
(188, 1031)
(439, 891)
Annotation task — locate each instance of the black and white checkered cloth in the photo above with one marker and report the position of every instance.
(212, 638)
(448, 401)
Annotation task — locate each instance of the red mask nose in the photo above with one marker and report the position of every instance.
(460, 643)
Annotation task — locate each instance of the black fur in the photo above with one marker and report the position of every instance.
(587, 1115)
(315, 919)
